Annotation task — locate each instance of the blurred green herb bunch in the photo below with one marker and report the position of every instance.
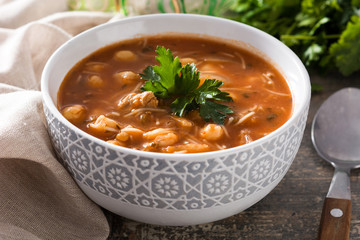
(323, 33)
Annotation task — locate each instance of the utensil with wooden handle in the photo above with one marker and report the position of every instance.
(335, 134)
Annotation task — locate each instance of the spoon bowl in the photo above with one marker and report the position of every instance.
(335, 134)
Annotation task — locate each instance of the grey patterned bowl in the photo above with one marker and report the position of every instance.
(175, 189)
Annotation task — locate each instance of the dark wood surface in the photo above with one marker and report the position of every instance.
(291, 211)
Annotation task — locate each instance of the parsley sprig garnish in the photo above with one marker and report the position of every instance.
(172, 80)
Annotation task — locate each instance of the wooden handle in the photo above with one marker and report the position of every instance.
(335, 219)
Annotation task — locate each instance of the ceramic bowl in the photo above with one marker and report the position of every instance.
(175, 189)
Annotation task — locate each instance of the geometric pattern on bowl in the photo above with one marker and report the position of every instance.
(175, 184)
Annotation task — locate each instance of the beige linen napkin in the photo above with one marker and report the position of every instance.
(38, 198)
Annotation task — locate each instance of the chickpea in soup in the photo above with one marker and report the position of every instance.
(108, 95)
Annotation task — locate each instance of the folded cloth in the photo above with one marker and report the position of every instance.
(15, 13)
(38, 198)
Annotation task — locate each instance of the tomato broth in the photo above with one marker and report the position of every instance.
(102, 96)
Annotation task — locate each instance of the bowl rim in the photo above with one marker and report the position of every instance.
(49, 103)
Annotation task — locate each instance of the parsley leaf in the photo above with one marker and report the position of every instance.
(161, 79)
(347, 51)
(183, 104)
(214, 111)
(172, 80)
(210, 90)
(154, 83)
(188, 80)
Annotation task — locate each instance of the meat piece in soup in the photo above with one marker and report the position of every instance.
(102, 96)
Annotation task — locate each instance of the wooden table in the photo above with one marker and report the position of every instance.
(291, 211)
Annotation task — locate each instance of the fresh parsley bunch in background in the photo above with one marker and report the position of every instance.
(323, 33)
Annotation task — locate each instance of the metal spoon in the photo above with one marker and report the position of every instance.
(335, 134)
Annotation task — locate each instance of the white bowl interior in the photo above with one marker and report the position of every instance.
(83, 45)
